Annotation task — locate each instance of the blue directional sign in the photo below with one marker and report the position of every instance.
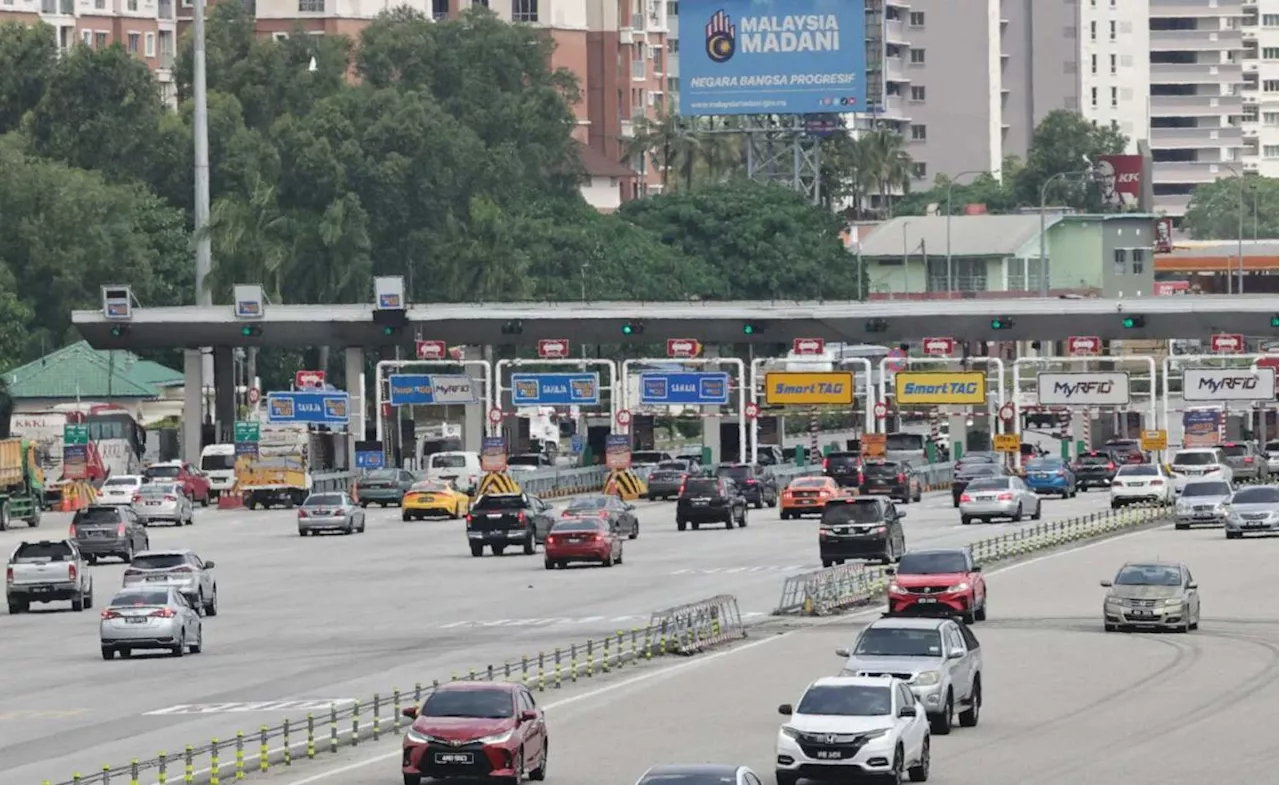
(426, 389)
(577, 443)
(370, 459)
(308, 406)
(555, 389)
(706, 388)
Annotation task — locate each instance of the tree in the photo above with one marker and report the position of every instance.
(1214, 212)
(995, 193)
(857, 167)
(1064, 141)
(16, 316)
(28, 56)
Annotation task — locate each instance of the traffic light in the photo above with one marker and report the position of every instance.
(391, 320)
(1001, 323)
(876, 325)
(1275, 322)
(1134, 322)
(118, 330)
(513, 327)
(751, 328)
(633, 328)
(251, 331)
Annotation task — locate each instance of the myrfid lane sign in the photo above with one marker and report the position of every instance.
(422, 389)
(1228, 384)
(709, 388)
(555, 389)
(1097, 388)
(772, 57)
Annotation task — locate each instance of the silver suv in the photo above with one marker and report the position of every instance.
(940, 659)
(1246, 462)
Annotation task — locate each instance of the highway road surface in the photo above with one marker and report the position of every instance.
(334, 617)
(1065, 702)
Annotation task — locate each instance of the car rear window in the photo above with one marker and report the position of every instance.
(430, 487)
(842, 459)
(324, 500)
(733, 472)
(159, 561)
(117, 481)
(158, 490)
(98, 515)
(1195, 458)
(162, 471)
(1044, 466)
(674, 466)
(861, 511)
(809, 483)
(887, 469)
(439, 461)
(512, 502)
(383, 475)
(43, 551)
(904, 441)
(644, 456)
(1095, 460)
(590, 503)
(1235, 450)
(1145, 470)
(702, 487)
(577, 525)
(990, 484)
(128, 598)
(979, 470)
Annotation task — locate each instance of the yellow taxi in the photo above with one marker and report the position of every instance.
(433, 499)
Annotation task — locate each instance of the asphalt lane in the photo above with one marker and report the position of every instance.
(335, 617)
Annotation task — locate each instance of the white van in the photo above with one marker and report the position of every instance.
(218, 462)
(459, 467)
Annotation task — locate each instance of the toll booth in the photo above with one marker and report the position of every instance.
(642, 435)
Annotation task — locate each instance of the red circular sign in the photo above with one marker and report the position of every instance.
(624, 417)
(752, 411)
(495, 415)
(880, 409)
(1006, 411)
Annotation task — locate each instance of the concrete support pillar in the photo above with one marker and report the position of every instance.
(959, 433)
(192, 405)
(353, 358)
(475, 416)
(224, 393)
(711, 420)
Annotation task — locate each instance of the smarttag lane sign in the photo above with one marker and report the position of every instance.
(313, 408)
(418, 389)
(1101, 388)
(684, 389)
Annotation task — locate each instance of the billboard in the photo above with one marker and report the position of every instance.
(929, 388)
(791, 388)
(772, 57)
(1120, 181)
(1099, 388)
(1228, 384)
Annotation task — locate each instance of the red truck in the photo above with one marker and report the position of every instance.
(194, 484)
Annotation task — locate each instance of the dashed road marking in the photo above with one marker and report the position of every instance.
(622, 622)
(739, 570)
(240, 707)
(36, 714)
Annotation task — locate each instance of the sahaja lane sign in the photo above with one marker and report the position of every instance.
(709, 388)
(1217, 385)
(1103, 388)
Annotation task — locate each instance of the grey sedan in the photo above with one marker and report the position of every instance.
(163, 501)
(330, 512)
(150, 619)
(1153, 595)
(1254, 510)
(998, 497)
(1202, 503)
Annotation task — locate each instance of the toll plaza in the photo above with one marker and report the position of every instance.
(973, 401)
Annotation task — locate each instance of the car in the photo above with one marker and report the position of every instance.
(1126, 450)
(896, 479)
(475, 730)
(1203, 503)
(643, 459)
(194, 484)
(119, 489)
(940, 660)
(179, 569)
(1095, 469)
(699, 774)
(939, 581)
(433, 499)
(1199, 463)
(620, 515)
(585, 539)
(47, 571)
(1254, 510)
(1151, 595)
(1031, 452)
(771, 455)
(502, 520)
(966, 474)
(530, 462)
(758, 485)
(383, 487)
(979, 457)
(1272, 453)
(844, 467)
(146, 618)
(998, 497)
(102, 531)
(1246, 462)
(163, 501)
(330, 512)
(861, 527)
(808, 495)
(459, 467)
(851, 727)
(1141, 482)
(665, 479)
(710, 500)
(1051, 475)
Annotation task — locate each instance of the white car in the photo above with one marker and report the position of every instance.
(1141, 482)
(119, 489)
(1272, 452)
(1199, 463)
(867, 726)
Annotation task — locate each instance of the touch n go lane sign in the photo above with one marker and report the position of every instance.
(1228, 384)
(1103, 388)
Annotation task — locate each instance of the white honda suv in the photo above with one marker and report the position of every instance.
(867, 726)
(1200, 463)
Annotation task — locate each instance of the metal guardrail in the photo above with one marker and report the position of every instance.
(933, 476)
(332, 482)
(556, 482)
(682, 630)
(832, 589)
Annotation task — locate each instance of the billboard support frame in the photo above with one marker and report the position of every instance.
(1167, 368)
(395, 365)
(496, 391)
(738, 372)
(786, 146)
(868, 420)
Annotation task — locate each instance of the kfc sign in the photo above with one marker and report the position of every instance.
(553, 348)
(1119, 179)
(938, 347)
(808, 346)
(683, 347)
(308, 380)
(1078, 345)
(1227, 343)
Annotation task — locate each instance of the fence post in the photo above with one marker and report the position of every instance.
(573, 662)
(311, 735)
(133, 772)
(264, 752)
(214, 766)
(163, 769)
(395, 710)
(542, 671)
(557, 668)
(591, 658)
(635, 634)
(189, 766)
(333, 728)
(524, 671)
(377, 716)
(355, 724)
(106, 774)
(417, 692)
(285, 727)
(239, 755)
(621, 639)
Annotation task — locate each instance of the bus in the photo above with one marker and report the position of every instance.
(117, 442)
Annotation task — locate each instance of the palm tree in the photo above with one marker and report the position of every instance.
(664, 141)
(885, 162)
(252, 241)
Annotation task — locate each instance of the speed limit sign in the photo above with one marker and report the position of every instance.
(624, 417)
(495, 415)
(1006, 411)
(752, 411)
(880, 409)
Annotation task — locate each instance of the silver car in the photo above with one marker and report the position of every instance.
(163, 502)
(998, 497)
(1272, 453)
(1254, 510)
(1246, 461)
(699, 774)
(330, 512)
(179, 569)
(1202, 503)
(1151, 595)
(158, 618)
(119, 489)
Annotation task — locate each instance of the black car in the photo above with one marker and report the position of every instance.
(861, 527)
(620, 515)
(508, 519)
(967, 473)
(1095, 469)
(666, 478)
(845, 468)
(757, 483)
(104, 531)
(710, 500)
(896, 479)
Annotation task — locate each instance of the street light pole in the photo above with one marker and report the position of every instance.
(1044, 195)
(906, 280)
(200, 134)
(951, 181)
(1239, 231)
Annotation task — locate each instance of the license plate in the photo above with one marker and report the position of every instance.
(153, 504)
(1135, 485)
(40, 589)
(136, 619)
(1256, 525)
(926, 600)
(453, 758)
(156, 578)
(829, 755)
(701, 502)
(1203, 515)
(984, 498)
(1042, 476)
(575, 539)
(494, 516)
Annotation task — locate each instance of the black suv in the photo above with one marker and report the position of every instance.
(897, 479)
(845, 468)
(863, 527)
(758, 485)
(1095, 469)
(710, 500)
(508, 519)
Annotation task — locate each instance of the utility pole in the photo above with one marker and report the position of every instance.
(200, 133)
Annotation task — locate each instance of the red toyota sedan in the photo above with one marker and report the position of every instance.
(583, 540)
(476, 730)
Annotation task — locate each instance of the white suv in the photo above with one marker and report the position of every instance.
(1199, 463)
(864, 725)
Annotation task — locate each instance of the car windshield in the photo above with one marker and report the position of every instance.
(1195, 458)
(448, 461)
(128, 598)
(487, 704)
(672, 466)
(899, 642)
(989, 484)
(590, 503)
(809, 483)
(1141, 470)
(383, 475)
(503, 502)
(158, 561)
(43, 551)
(646, 456)
(98, 515)
(214, 463)
(733, 472)
(576, 525)
(846, 700)
(1095, 460)
(1206, 489)
(690, 778)
(1273, 447)
(1149, 575)
(1262, 494)
(119, 481)
(1044, 465)
(324, 500)
(861, 511)
(702, 487)
(162, 471)
(904, 441)
(932, 563)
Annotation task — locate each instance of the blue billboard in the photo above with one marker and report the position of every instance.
(708, 388)
(555, 389)
(772, 57)
(311, 407)
(427, 389)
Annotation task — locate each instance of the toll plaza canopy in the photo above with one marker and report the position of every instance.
(724, 322)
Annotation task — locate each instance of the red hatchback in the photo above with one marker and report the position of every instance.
(938, 583)
(583, 540)
(476, 730)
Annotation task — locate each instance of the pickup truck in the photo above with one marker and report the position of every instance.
(47, 571)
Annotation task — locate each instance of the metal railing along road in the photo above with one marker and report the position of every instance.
(684, 630)
(833, 589)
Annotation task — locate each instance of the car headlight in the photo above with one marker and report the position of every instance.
(789, 732)
(1175, 601)
(875, 734)
(896, 589)
(961, 586)
(1114, 601)
(926, 678)
(415, 737)
(497, 738)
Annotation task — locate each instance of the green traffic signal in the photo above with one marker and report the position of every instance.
(388, 330)
(250, 330)
(627, 329)
(748, 329)
(1134, 322)
(1001, 323)
(1275, 322)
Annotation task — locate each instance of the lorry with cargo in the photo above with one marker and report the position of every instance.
(21, 483)
(281, 471)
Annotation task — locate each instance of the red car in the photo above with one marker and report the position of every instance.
(583, 540)
(1127, 450)
(195, 484)
(943, 582)
(476, 730)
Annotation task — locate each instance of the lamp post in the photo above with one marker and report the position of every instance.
(951, 181)
(200, 134)
(1044, 194)
(1239, 231)
(906, 279)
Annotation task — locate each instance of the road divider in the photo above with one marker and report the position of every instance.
(833, 589)
(684, 630)
(625, 484)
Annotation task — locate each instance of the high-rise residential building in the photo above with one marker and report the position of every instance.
(1260, 30)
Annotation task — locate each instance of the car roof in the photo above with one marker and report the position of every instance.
(165, 463)
(869, 497)
(930, 551)
(693, 768)
(1197, 449)
(850, 681)
(1153, 563)
(166, 552)
(475, 686)
(909, 623)
(112, 507)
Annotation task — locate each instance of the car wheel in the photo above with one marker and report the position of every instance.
(620, 555)
(680, 526)
(199, 603)
(1181, 526)
(126, 653)
(773, 501)
(211, 608)
(607, 561)
(1115, 505)
(88, 596)
(1036, 516)
(941, 723)
(529, 546)
(198, 645)
(965, 520)
(77, 603)
(826, 563)
(970, 716)
(1109, 627)
(180, 649)
(920, 771)
(1017, 515)
(108, 653)
(635, 531)
(742, 522)
(695, 526)
(539, 774)
(412, 779)
(498, 550)
(549, 564)
(404, 516)
(477, 549)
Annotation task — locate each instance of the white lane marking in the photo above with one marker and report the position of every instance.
(632, 620)
(734, 570)
(312, 704)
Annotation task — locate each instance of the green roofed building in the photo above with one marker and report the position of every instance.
(79, 372)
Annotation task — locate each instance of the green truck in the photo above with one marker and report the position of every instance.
(21, 483)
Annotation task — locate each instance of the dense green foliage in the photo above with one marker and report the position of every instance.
(1232, 207)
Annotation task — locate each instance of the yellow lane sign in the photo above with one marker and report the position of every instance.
(1006, 442)
(793, 388)
(1153, 441)
(924, 388)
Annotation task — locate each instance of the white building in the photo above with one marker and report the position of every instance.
(1261, 88)
(1114, 67)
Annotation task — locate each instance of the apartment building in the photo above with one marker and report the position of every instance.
(1260, 91)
